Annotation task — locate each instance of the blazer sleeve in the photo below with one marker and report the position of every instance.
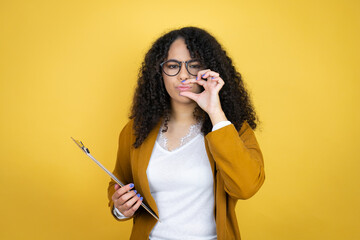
(122, 168)
(238, 158)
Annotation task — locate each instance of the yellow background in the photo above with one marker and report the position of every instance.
(68, 68)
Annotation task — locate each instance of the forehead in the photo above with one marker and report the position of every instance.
(178, 50)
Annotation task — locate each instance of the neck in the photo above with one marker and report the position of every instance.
(182, 113)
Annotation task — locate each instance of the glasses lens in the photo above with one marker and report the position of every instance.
(194, 67)
(171, 67)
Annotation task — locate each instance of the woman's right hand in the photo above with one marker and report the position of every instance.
(126, 202)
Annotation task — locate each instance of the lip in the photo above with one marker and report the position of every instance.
(183, 88)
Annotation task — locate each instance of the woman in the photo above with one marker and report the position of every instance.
(189, 148)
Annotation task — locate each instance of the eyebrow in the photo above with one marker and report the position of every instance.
(180, 61)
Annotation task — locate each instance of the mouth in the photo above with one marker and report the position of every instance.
(183, 88)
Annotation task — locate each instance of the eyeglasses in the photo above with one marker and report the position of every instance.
(173, 67)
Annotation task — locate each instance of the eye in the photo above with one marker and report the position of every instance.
(195, 65)
(172, 66)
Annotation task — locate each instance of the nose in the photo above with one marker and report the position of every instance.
(183, 74)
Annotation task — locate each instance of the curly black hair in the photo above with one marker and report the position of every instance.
(152, 102)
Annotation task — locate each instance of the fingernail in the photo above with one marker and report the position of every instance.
(135, 191)
(131, 185)
(141, 198)
(212, 77)
(138, 195)
(183, 81)
(196, 77)
(203, 75)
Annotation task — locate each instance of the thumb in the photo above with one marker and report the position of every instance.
(190, 95)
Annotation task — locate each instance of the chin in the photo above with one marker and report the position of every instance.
(181, 99)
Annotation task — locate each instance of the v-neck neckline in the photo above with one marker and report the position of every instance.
(194, 129)
(178, 148)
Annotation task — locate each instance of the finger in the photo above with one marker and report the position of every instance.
(135, 207)
(214, 80)
(217, 80)
(190, 95)
(200, 73)
(209, 73)
(129, 203)
(219, 83)
(116, 186)
(124, 198)
(191, 80)
(121, 191)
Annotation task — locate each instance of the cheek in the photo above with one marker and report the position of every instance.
(168, 85)
(168, 88)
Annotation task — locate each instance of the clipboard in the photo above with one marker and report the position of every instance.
(87, 152)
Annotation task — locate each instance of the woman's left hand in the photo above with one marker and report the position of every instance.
(208, 99)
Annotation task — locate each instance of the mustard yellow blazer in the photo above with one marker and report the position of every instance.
(237, 165)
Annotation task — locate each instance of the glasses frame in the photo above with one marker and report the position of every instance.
(180, 64)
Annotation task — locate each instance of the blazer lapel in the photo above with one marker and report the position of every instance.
(140, 162)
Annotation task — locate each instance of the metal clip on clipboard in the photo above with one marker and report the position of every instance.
(87, 152)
